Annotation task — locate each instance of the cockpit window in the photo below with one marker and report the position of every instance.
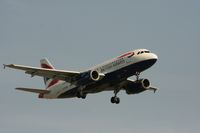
(141, 52)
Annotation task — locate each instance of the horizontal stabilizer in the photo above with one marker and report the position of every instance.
(40, 91)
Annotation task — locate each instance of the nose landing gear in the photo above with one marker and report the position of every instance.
(137, 74)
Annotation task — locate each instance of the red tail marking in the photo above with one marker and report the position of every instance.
(53, 82)
(46, 66)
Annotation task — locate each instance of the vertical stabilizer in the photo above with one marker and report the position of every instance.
(47, 65)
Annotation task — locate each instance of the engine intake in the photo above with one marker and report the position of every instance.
(94, 75)
(145, 83)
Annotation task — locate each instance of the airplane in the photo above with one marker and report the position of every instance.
(112, 75)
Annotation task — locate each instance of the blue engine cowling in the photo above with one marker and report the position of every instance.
(88, 77)
(137, 86)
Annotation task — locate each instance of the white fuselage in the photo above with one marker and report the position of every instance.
(115, 64)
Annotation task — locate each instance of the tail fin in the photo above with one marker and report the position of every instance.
(47, 65)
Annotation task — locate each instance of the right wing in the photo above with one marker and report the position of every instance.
(50, 73)
(40, 91)
(133, 86)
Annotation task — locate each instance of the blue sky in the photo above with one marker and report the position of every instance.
(78, 34)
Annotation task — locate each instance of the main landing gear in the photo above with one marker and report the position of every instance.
(115, 99)
(80, 93)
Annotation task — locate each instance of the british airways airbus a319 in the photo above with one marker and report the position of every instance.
(111, 75)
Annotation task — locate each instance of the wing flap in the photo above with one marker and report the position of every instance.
(40, 91)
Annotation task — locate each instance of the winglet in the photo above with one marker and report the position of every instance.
(154, 89)
(10, 65)
(4, 66)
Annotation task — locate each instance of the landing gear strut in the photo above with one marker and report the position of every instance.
(137, 75)
(80, 93)
(115, 99)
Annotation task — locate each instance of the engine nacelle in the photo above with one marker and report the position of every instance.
(145, 83)
(94, 75)
(137, 86)
(89, 77)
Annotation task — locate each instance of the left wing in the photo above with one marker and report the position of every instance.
(50, 73)
(40, 91)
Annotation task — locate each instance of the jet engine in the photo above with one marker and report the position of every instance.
(137, 86)
(89, 77)
(94, 75)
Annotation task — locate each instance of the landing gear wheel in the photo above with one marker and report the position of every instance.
(79, 95)
(83, 96)
(115, 100)
(112, 99)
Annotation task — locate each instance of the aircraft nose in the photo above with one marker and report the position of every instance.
(154, 56)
